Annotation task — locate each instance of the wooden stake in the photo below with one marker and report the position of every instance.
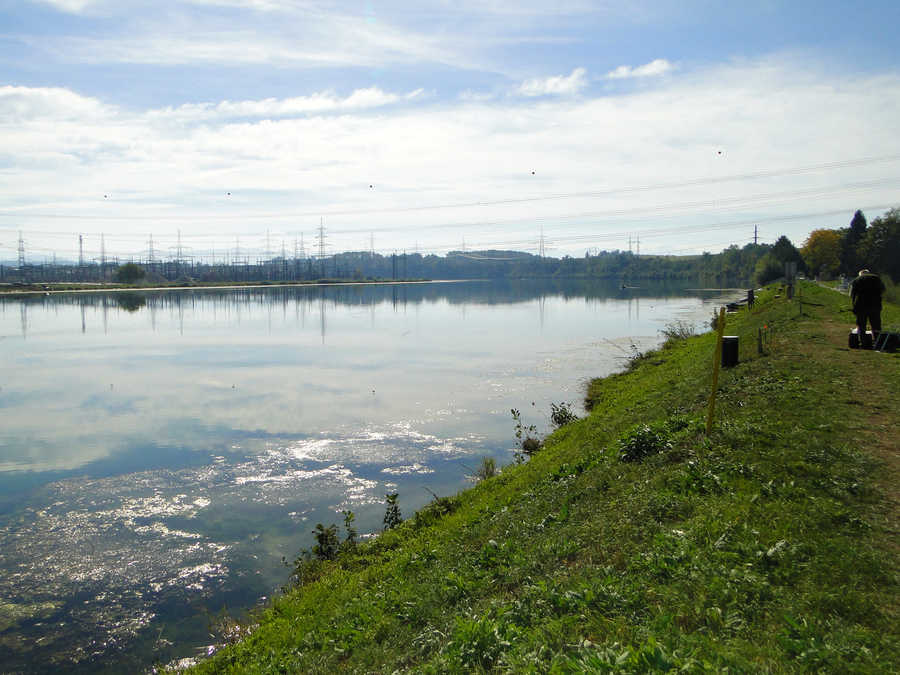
(717, 362)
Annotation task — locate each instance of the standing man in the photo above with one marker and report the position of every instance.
(865, 297)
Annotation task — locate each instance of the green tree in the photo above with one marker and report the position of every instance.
(880, 248)
(822, 252)
(129, 273)
(327, 544)
(850, 242)
(768, 269)
(785, 252)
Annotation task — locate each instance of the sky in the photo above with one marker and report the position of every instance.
(223, 129)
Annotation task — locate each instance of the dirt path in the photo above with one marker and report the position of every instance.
(874, 389)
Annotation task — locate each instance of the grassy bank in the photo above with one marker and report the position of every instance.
(633, 541)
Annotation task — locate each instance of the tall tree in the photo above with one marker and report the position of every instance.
(852, 236)
(784, 252)
(880, 248)
(822, 252)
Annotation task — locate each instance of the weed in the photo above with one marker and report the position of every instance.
(349, 517)
(561, 414)
(227, 629)
(478, 643)
(677, 331)
(526, 437)
(437, 509)
(642, 441)
(487, 469)
(327, 544)
(635, 356)
(650, 657)
(392, 517)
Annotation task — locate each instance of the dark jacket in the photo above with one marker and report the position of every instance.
(866, 291)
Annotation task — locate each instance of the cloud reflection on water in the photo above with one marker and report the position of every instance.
(188, 445)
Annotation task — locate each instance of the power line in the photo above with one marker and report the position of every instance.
(693, 182)
(595, 237)
(730, 203)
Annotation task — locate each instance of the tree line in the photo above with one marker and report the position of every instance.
(876, 246)
(826, 254)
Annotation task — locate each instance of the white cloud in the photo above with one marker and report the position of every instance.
(560, 85)
(70, 6)
(470, 96)
(652, 69)
(317, 103)
(305, 33)
(18, 104)
(61, 152)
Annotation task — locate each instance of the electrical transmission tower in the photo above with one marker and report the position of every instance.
(541, 243)
(80, 251)
(321, 238)
(21, 251)
(150, 250)
(102, 251)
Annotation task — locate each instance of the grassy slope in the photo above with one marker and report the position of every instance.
(768, 546)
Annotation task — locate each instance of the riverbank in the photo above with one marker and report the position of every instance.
(633, 541)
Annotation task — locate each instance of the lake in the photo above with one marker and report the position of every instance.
(161, 452)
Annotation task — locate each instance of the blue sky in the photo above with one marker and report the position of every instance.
(432, 125)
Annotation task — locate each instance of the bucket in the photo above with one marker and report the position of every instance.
(729, 351)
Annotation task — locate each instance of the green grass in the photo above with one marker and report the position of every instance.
(635, 542)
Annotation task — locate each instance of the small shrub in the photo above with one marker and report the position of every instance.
(650, 657)
(306, 569)
(349, 517)
(129, 273)
(478, 644)
(487, 469)
(327, 544)
(526, 437)
(392, 517)
(227, 630)
(434, 511)
(643, 441)
(531, 445)
(635, 356)
(561, 415)
(676, 332)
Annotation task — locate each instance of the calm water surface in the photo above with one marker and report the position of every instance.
(161, 452)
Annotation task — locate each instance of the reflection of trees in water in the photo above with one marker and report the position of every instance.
(130, 302)
(317, 297)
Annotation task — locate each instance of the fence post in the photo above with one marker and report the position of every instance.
(717, 362)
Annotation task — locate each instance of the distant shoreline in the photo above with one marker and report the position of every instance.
(99, 288)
